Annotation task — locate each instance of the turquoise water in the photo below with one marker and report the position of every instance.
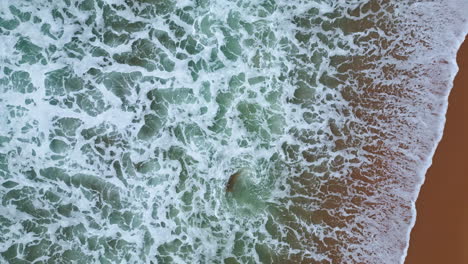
(122, 121)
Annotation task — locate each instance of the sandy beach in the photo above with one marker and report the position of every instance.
(440, 234)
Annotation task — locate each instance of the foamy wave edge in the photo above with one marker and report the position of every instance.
(454, 25)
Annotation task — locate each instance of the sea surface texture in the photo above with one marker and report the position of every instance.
(219, 131)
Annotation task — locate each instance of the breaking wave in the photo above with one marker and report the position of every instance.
(265, 131)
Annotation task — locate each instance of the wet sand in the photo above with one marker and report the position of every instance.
(441, 232)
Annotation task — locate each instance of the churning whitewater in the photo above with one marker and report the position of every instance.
(218, 131)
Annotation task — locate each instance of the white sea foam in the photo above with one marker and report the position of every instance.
(120, 132)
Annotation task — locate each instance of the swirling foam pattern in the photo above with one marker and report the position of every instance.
(122, 121)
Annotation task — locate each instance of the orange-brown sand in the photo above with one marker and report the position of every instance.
(441, 231)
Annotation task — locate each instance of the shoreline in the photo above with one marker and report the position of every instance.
(436, 236)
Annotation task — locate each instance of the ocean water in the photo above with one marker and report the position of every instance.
(219, 131)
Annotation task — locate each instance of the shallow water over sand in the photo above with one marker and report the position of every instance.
(218, 131)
